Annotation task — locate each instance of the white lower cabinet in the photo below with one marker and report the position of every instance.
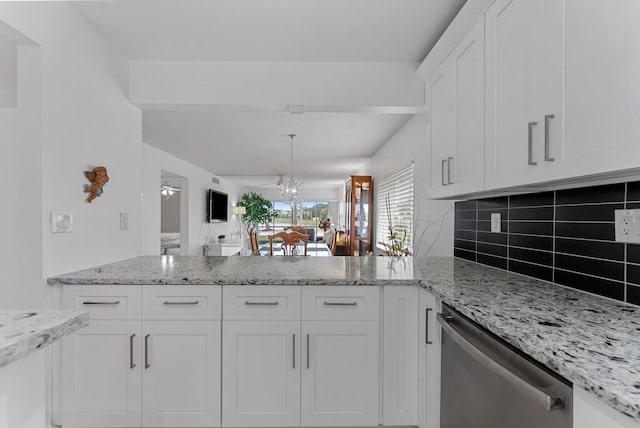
(429, 361)
(261, 376)
(591, 412)
(181, 374)
(100, 382)
(340, 373)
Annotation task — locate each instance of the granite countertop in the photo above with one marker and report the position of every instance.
(592, 341)
(23, 332)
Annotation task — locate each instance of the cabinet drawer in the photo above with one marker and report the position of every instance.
(181, 302)
(329, 303)
(105, 302)
(262, 302)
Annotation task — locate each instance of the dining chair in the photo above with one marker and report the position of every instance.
(299, 229)
(290, 241)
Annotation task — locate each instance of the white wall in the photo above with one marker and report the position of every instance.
(72, 114)
(198, 182)
(433, 218)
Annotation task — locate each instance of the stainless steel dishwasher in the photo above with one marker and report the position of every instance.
(485, 383)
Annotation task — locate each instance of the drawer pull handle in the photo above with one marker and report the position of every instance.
(91, 302)
(294, 351)
(261, 303)
(146, 352)
(426, 327)
(181, 303)
(340, 303)
(132, 364)
(547, 118)
(531, 125)
(307, 352)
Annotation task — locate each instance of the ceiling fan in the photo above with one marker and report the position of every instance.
(168, 191)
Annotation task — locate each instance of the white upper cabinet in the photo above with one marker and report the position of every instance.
(562, 87)
(455, 104)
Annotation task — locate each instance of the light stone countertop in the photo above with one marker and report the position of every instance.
(24, 332)
(592, 341)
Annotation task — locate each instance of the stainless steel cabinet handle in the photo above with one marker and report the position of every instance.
(294, 351)
(548, 401)
(146, 352)
(444, 183)
(531, 125)
(181, 303)
(449, 160)
(426, 326)
(307, 351)
(91, 302)
(132, 364)
(547, 118)
(340, 303)
(261, 303)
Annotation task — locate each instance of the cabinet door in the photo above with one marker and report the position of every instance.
(340, 373)
(429, 362)
(465, 164)
(101, 366)
(400, 356)
(440, 96)
(181, 373)
(261, 376)
(601, 86)
(512, 28)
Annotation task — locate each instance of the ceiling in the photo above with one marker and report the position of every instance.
(249, 143)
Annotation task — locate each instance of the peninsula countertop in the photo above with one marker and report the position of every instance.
(592, 341)
(24, 332)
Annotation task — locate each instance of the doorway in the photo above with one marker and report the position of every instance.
(174, 223)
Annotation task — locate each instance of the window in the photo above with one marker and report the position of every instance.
(398, 188)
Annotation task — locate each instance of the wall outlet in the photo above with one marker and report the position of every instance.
(496, 222)
(627, 224)
(124, 221)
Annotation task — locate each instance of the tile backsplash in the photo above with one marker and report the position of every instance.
(562, 236)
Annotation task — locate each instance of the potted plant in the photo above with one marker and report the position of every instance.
(220, 237)
(258, 210)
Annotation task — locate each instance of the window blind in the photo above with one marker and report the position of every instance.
(398, 188)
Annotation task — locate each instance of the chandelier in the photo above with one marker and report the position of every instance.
(292, 187)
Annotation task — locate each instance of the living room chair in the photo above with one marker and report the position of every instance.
(290, 242)
(253, 240)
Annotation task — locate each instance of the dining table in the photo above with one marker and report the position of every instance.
(314, 249)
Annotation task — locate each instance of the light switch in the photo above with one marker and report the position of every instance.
(124, 221)
(61, 221)
(496, 222)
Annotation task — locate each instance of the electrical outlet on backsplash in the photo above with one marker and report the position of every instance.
(563, 236)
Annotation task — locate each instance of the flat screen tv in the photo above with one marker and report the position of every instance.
(216, 206)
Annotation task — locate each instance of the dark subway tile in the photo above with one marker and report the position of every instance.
(540, 213)
(493, 238)
(601, 231)
(466, 245)
(486, 214)
(587, 212)
(531, 200)
(464, 254)
(465, 215)
(531, 228)
(633, 205)
(591, 284)
(633, 294)
(603, 268)
(485, 226)
(499, 262)
(633, 191)
(595, 194)
(531, 256)
(469, 235)
(633, 253)
(534, 242)
(466, 205)
(633, 274)
(495, 250)
(581, 247)
(493, 203)
(465, 224)
(540, 272)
